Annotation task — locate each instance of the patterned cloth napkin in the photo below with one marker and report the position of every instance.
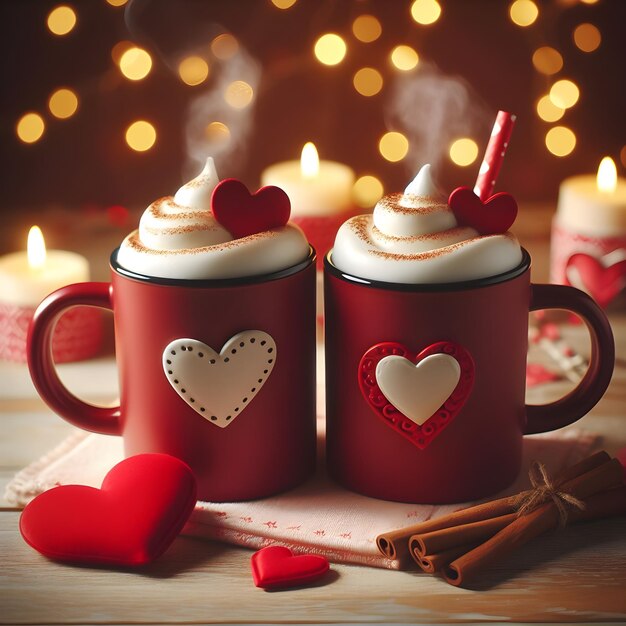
(317, 517)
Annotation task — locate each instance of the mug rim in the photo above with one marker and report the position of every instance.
(212, 282)
(475, 283)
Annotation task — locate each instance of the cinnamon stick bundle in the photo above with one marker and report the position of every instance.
(395, 544)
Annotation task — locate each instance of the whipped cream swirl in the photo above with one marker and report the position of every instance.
(413, 237)
(178, 237)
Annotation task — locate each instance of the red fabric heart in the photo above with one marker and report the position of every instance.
(276, 566)
(419, 436)
(143, 504)
(495, 215)
(242, 213)
(602, 283)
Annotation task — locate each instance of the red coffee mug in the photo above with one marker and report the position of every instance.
(462, 437)
(242, 419)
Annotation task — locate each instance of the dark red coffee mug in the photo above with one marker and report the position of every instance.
(441, 419)
(220, 373)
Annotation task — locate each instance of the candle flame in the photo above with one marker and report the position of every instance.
(309, 160)
(36, 248)
(607, 175)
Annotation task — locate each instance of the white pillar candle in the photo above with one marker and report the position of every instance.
(315, 188)
(27, 277)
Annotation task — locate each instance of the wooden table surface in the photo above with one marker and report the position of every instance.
(575, 575)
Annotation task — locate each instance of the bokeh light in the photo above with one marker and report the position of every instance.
(283, 4)
(425, 11)
(560, 141)
(30, 127)
(61, 20)
(368, 81)
(393, 146)
(117, 3)
(367, 191)
(366, 28)
(63, 103)
(330, 49)
(564, 93)
(548, 111)
(224, 46)
(523, 12)
(217, 132)
(193, 70)
(117, 51)
(135, 63)
(404, 58)
(238, 94)
(587, 37)
(141, 135)
(547, 60)
(463, 151)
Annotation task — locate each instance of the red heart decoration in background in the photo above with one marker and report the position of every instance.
(602, 283)
(242, 213)
(419, 435)
(495, 215)
(276, 566)
(143, 504)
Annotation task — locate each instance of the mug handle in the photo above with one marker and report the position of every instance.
(105, 420)
(577, 403)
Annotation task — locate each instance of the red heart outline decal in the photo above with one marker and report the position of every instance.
(143, 504)
(419, 436)
(603, 283)
(242, 213)
(494, 216)
(276, 567)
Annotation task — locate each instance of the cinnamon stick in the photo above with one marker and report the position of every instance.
(603, 495)
(395, 543)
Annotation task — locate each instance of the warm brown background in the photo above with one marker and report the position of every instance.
(84, 162)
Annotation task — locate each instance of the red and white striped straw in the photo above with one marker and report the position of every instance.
(494, 154)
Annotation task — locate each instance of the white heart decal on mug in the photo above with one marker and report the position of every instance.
(418, 390)
(220, 386)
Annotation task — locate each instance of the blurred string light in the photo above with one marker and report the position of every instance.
(330, 49)
(135, 63)
(118, 50)
(283, 4)
(463, 151)
(368, 81)
(217, 133)
(547, 60)
(141, 135)
(393, 146)
(564, 93)
(238, 94)
(366, 28)
(589, 1)
(587, 37)
(117, 3)
(404, 58)
(548, 111)
(523, 12)
(560, 141)
(193, 70)
(425, 12)
(224, 46)
(63, 103)
(30, 127)
(367, 191)
(61, 20)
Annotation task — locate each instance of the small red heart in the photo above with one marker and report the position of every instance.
(602, 283)
(276, 566)
(419, 435)
(143, 504)
(242, 213)
(495, 215)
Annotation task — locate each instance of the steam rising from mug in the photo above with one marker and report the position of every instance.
(433, 109)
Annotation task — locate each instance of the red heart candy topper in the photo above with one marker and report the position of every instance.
(277, 567)
(494, 216)
(243, 213)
